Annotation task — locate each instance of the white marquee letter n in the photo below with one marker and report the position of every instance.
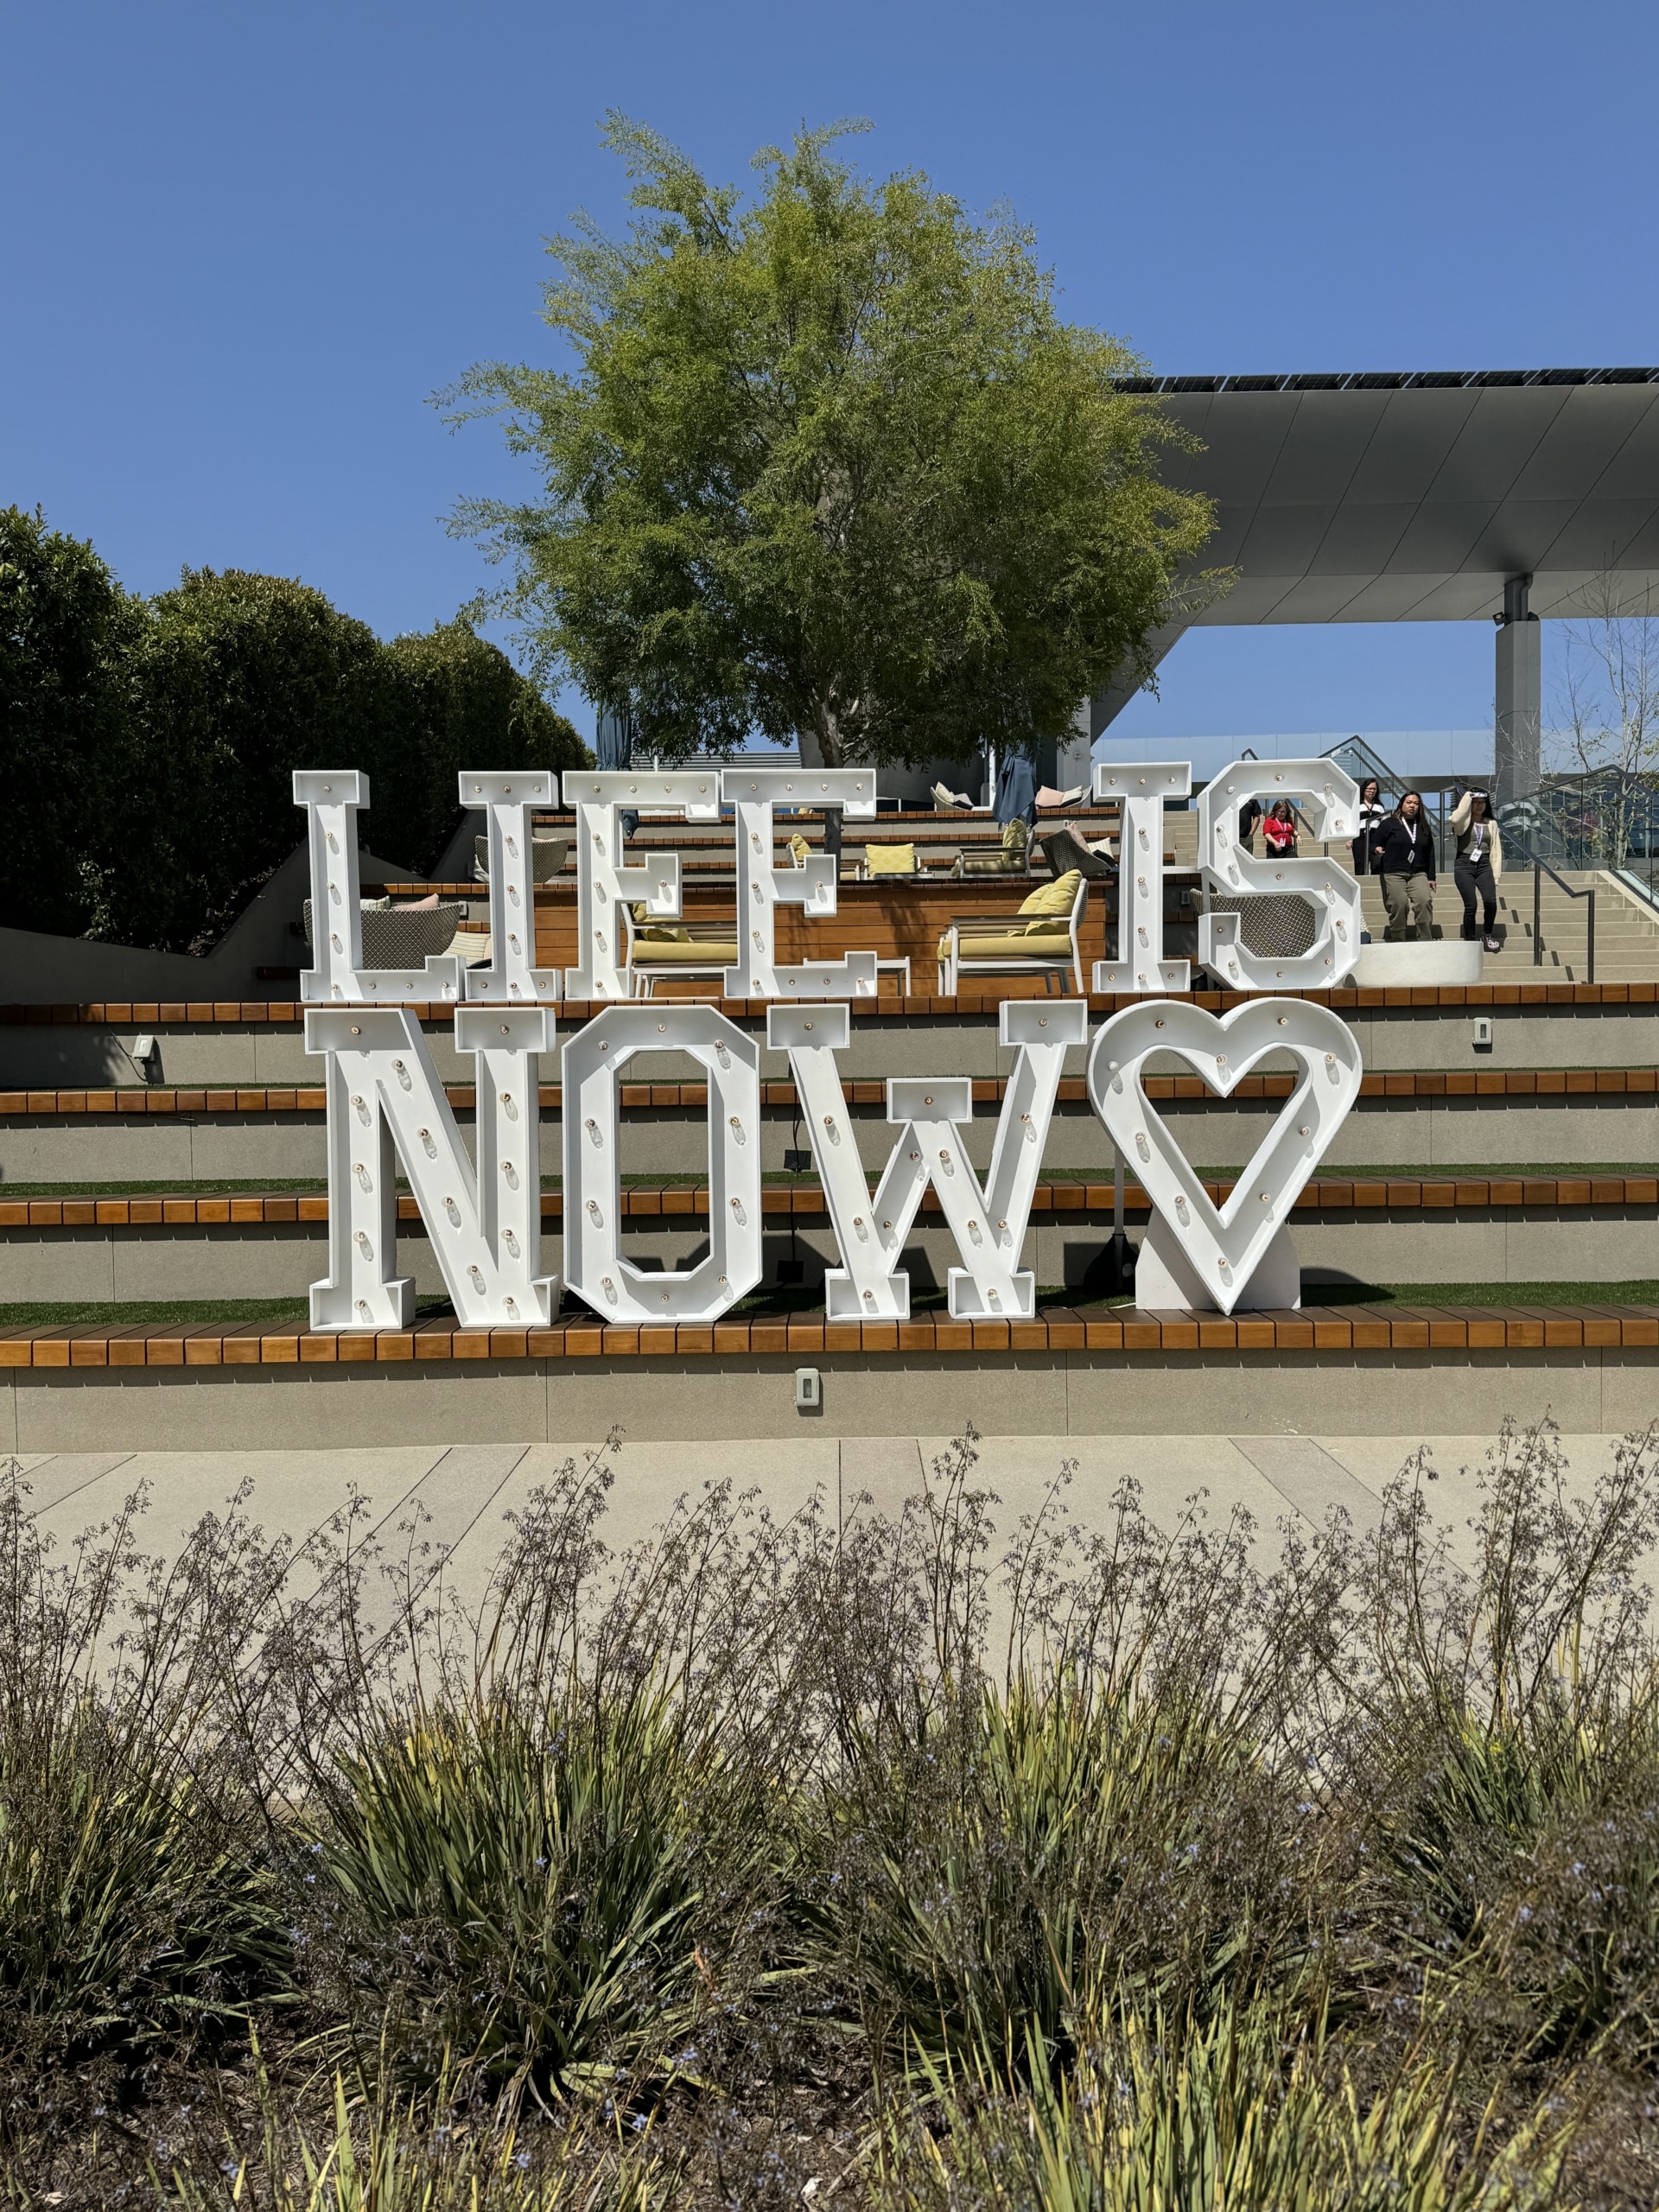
(386, 1102)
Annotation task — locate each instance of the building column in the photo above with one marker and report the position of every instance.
(1517, 735)
(1074, 752)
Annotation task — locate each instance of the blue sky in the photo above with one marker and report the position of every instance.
(243, 242)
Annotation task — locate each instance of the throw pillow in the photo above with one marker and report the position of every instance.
(1050, 901)
(890, 860)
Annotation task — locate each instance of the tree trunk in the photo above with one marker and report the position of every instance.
(826, 731)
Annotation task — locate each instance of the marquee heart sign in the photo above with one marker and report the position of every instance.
(1225, 1247)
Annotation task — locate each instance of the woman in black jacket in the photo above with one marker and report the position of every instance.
(1371, 812)
(1402, 852)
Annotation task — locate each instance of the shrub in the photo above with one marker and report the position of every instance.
(66, 632)
(1248, 2112)
(1509, 1711)
(238, 680)
(1027, 1849)
(463, 705)
(149, 746)
(386, 2159)
(136, 1908)
(521, 1890)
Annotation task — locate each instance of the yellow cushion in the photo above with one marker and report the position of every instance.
(1051, 899)
(651, 951)
(1014, 835)
(650, 933)
(1033, 945)
(799, 849)
(890, 860)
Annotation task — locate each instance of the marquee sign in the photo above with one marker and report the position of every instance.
(1224, 1248)
(387, 1108)
(1328, 799)
(989, 1222)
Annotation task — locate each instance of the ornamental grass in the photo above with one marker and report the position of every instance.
(932, 1859)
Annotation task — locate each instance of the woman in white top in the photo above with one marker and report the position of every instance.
(1371, 811)
(1479, 864)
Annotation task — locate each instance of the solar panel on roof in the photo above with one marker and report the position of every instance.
(1393, 380)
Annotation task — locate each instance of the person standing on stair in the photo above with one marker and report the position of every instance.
(1371, 814)
(1402, 852)
(1279, 832)
(1479, 865)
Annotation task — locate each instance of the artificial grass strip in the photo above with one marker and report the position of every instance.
(925, 1298)
(98, 1314)
(1643, 1293)
(175, 1187)
(1414, 1171)
(173, 1312)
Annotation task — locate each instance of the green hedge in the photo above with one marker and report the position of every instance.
(147, 746)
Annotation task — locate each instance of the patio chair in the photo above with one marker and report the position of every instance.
(1012, 859)
(950, 802)
(659, 949)
(548, 855)
(1045, 937)
(1064, 850)
(404, 938)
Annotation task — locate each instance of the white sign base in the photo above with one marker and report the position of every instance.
(1165, 1278)
(1442, 960)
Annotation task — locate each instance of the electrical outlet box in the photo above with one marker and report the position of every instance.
(1482, 1033)
(809, 1390)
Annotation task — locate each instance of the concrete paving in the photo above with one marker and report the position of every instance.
(451, 1505)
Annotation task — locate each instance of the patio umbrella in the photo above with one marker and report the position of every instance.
(1016, 791)
(613, 736)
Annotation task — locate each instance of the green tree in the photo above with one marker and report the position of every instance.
(466, 706)
(830, 466)
(243, 678)
(239, 679)
(66, 628)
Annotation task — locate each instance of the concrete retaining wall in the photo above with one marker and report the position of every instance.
(569, 1402)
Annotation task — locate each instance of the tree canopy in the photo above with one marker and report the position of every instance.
(66, 630)
(149, 745)
(828, 466)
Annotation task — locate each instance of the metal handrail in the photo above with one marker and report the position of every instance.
(1369, 759)
(1540, 870)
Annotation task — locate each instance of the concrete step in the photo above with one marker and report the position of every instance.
(1581, 1230)
(1627, 933)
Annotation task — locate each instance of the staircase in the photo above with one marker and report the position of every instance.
(1627, 928)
